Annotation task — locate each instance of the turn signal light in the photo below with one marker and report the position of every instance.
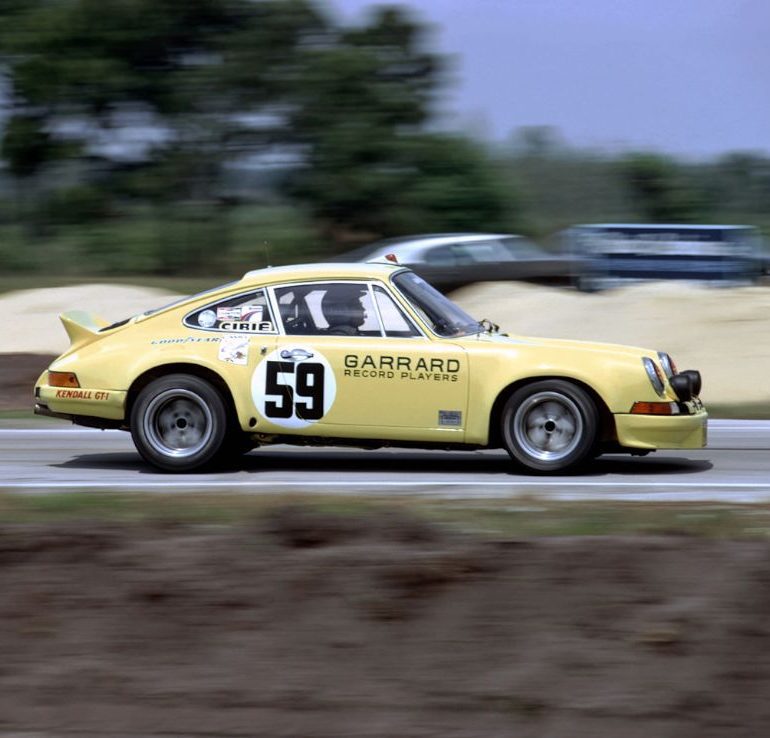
(655, 408)
(392, 257)
(63, 379)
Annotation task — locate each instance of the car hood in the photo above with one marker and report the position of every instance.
(562, 344)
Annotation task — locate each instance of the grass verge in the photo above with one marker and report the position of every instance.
(520, 518)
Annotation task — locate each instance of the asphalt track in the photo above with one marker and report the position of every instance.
(735, 467)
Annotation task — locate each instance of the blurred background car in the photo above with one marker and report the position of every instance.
(614, 254)
(451, 260)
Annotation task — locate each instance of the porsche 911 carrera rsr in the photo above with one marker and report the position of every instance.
(363, 355)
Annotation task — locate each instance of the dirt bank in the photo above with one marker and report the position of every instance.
(723, 332)
(311, 625)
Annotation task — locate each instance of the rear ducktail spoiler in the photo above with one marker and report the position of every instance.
(81, 327)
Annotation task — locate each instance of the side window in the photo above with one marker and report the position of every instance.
(441, 256)
(244, 313)
(480, 251)
(329, 309)
(395, 323)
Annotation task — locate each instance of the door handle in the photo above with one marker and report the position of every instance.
(296, 354)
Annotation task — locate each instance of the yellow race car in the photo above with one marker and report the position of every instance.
(363, 355)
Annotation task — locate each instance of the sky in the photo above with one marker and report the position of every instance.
(686, 77)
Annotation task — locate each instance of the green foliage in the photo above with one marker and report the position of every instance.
(73, 205)
(452, 187)
(657, 185)
(25, 145)
(270, 235)
(224, 84)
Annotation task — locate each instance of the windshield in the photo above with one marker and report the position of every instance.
(442, 315)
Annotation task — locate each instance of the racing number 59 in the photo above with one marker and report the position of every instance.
(308, 384)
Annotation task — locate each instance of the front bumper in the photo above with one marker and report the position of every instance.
(662, 431)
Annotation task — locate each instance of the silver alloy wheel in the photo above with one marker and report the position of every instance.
(548, 426)
(177, 423)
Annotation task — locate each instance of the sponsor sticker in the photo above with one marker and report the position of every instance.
(207, 319)
(184, 339)
(405, 368)
(81, 394)
(234, 349)
(252, 313)
(247, 327)
(452, 418)
(228, 313)
(294, 387)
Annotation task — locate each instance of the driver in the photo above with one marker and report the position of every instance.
(343, 309)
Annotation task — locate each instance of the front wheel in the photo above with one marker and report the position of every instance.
(550, 426)
(179, 423)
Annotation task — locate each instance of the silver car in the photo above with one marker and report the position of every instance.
(450, 260)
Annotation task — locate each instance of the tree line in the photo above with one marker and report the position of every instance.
(201, 136)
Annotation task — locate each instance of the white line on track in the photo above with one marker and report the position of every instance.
(214, 484)
(739, 494)
(715, 425)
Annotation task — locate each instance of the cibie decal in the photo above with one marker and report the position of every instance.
(293, 387)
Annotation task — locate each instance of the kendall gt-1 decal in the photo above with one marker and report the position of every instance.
(81, 394)
(293, 387)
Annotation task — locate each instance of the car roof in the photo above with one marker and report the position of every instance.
(413, 244)
(332, 270)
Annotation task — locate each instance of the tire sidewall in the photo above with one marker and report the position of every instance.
(208, 394)
(588, 413)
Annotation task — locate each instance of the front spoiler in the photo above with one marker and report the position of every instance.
(662, 431)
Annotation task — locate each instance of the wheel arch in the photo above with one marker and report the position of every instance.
(196, 370)
(606, 421)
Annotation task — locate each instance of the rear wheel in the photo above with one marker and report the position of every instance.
(550, 426)
(179, 423)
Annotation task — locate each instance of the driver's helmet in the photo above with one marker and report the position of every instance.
(342, 308)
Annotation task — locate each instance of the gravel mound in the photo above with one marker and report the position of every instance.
(31, 323)
(725, 333)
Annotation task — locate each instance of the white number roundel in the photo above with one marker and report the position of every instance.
(293, 387)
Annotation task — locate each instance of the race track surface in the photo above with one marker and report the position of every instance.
(735, 467)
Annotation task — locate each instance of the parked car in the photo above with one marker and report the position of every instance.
(451, 260)
(614, 254)
(364, 355)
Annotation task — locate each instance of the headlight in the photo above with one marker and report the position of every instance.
(654, 374)
(667, 363)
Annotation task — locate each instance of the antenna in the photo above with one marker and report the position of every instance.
(267, 253)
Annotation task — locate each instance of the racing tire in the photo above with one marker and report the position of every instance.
(550, 426)
(179, 423)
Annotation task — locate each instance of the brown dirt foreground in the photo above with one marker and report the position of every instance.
(308, 624)
(18, 374)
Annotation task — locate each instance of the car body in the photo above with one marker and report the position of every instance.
(451, 260)
(365, 355)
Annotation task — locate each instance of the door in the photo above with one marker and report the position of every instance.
(354, 365)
